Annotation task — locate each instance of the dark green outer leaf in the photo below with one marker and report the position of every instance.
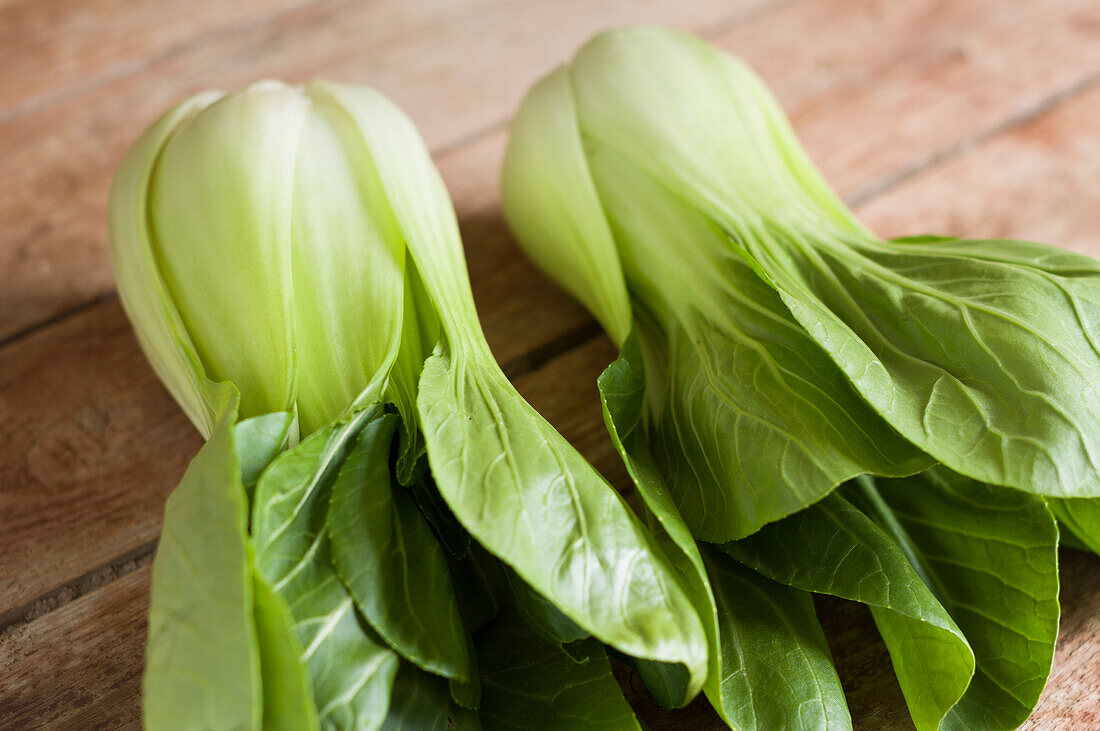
(352, 671)
(450, 532)
(540, 614)
(481, 586)
(833, 548)
(390, 561)
(421, 702)
(982, 353)
(526, 495)
(466, 693)
(529, 683)
(776, 668)
(772, 617)
(990, 555)
(1082, 517)
(202, 661)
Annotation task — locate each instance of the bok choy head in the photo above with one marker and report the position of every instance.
(252, 243)
(300, 245)
(786, 348)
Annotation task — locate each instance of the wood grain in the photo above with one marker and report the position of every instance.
(50, 47)
(80, 666)
(444, 65)
(912, 82)
(1039, 181)
(89, 480)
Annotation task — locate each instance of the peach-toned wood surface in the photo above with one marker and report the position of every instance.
(977, 118)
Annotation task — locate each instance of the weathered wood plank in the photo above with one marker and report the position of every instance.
(879, 90)
(50, 47)
(79, 667)
(1039, 182)
(90, 478)
(455, 68)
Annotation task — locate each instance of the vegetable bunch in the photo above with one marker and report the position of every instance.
(373, 489)
(380, 532)
(805, 407)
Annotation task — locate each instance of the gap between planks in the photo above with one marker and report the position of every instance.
(937, 158)
(96, 578)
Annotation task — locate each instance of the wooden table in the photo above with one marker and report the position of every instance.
(973, 118)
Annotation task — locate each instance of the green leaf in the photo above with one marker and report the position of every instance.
(983, 353)
(753, 610)
(421, 703)
(990, 555)
(287, 695)
(833, 548)
(1082, 517)
(259, 439)
(621, 387)
(466, 693)
(481, 585)
(202, 660)
(450, 532)
(750, 420)
(390, 561)
(529, 683)
(526, 495)
(540, 614)
(352, 671)
(776, 670)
